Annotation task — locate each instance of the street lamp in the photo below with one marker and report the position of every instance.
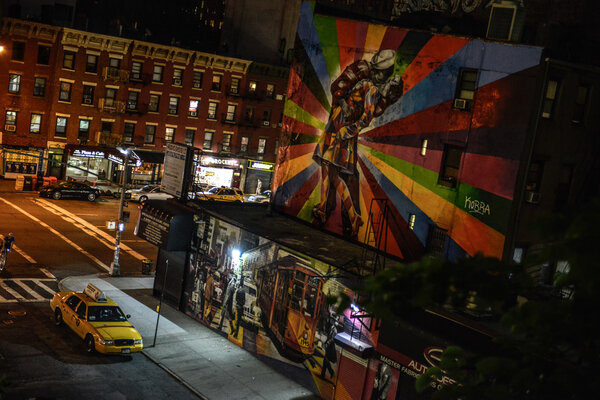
(115, 268)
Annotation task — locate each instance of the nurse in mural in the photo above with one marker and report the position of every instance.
(362, 92)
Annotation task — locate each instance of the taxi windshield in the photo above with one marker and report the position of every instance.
(213, 190)
(106, 314)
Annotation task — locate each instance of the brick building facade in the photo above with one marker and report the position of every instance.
(73, 90)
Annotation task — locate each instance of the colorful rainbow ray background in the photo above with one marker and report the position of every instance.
(390, 163)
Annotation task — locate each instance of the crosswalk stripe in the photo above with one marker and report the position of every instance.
(46, 288)
(28, 290)
(11, 291)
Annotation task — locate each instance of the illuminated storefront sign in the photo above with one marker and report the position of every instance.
(88, 153)
(263, 166)
(217, 161)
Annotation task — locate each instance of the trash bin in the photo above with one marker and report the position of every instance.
(146, 266)
(28, 183)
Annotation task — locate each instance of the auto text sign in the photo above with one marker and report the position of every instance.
(174, 172)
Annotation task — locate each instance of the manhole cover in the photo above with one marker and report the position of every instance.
(17, 313)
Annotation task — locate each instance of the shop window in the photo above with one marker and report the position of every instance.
(18, 51)
(91, 64)
(84, 131)
(136, 70)
(35, 123)
(231, 109)
(212, 109)
(216, 82)
(150, 134)
(10, 120)
(266, 117)
(64, 93)
(193, 108)
(128, 132)
(252, 86)
(177, 77)
(132, 100)
(450, 165)
(43, 55)
(169, 134)
(189, 137)
(262, 145)
(580, 104)
(88, 94)
(14, 83)
(244, 144)
(157, 73)
(61, 127)
(208, 139)
(270, 90)
(69, 60)
(235, 86)
(227, 142)
(198, 78)
(549, 98)
(39, 87)
(173, 105)
(465, 90)
(154, 102)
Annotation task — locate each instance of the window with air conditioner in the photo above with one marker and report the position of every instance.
(506, 21)
(208, 138)
(235, 86)
(128, 132)
(10, 119)
(173, 105)
(231, 110)
(91, 64)
(533, 182)
(267, 117)
(169, 134)
(212, 109)
(157, 73)
(244, 144)
(262, 145)
(227, 142)
(465, 89)
(177, 76)
(88, 94)
(193, 108)
(189, 137)
(69, 60)
(132, 100)
(154, 103)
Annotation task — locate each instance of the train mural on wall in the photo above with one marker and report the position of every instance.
(425, 128)
(271, 301)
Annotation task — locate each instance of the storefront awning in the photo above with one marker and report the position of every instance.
(152, 157)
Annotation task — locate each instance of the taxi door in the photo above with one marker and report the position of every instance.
(80, 320)
(68, 310)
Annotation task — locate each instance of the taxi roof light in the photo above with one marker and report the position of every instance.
(95, 293)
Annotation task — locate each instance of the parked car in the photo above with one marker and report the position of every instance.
(148, 192)
(96, 319)
(222, 194)
(263, 197)
(71, 190)
(108, 188)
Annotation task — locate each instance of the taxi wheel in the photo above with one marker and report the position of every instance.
(89, 342)
(56, 195)
(58, 318)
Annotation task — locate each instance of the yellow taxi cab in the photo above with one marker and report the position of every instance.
(98, 320)
(222, 194)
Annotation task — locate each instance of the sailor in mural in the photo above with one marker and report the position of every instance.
(361, 93)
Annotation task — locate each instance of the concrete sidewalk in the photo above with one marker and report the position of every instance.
(207, 363)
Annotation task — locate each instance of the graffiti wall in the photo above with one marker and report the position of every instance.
(424, 129)
(270, 301)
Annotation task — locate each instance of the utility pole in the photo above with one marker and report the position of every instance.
(115, 268)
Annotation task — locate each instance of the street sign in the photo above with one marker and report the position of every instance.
(111, 225)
